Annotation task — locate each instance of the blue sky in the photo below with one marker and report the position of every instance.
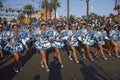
(77, 7)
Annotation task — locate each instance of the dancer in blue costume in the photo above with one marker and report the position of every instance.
(58, 43)
(50, 32)
(88, 40)
(4, 35)
(42, 44)
(99, 40)
(31, 38)
(1, 39)
(65, 32)
(115, 38)
(15, 47)
(23, 36)
(66, 36)
(73, 41)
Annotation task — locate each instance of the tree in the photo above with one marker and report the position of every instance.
(72, 17)
(118, 8)
(83, 17)
(29, 10)
(1, 5)
(55, 5)
(47, 6)
(13, 20)
(20, 17)
(44, 6)
(93, 15)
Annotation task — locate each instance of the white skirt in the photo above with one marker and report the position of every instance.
(15, 47)
(42, 45)
(58, 44)
(88, 42)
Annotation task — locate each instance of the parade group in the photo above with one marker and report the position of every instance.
(101, 33)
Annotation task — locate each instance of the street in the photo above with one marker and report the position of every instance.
(99, 69)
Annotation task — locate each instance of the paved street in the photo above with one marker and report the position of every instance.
(85, 70)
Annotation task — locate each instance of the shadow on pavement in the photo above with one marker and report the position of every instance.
(90, 73)
(37, 77)
(7, 73)
(55, 71)
(49, 51)
(27, 57)
(7, 57)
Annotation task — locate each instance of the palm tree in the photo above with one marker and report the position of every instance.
(72, 17)
(87, 2)
(29, 10)
(21, 17)
(93, 15)
(50, 8)
(55, 5)
(44, 6)
(1, 5)
(118, 8)
(47, 6)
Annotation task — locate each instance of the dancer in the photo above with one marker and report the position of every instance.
(73, 43)
(15, 47)
(1, 45)
(115, 38)
(99, 40)
(42, 44)
(58, 43)
(88, 40)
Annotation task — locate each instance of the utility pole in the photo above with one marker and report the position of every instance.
(67, 9)
(87, 3)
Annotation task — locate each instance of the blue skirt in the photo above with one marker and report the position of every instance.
(57, 44)
(100, 42)
(42, 45)
(16, 47)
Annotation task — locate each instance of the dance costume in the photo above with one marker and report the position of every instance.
(73, 39)
(99, 38)
(87, 38)
(58, 40)
(15, 44)
(115, 35)
(42, 42)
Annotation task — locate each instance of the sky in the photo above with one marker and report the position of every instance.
(77, 7)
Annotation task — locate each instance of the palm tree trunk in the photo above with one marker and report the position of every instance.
(45, 14)
(50, 14)
(55, 13)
